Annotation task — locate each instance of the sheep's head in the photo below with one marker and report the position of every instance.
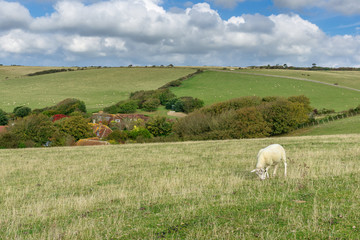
(262, 173)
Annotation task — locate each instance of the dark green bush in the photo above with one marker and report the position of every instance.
(77, 127)
(302, 100)
(3, 118)
(190, 104)
(69, 106)
(37, 128)
(284, 116)
(184, 104)
(113, 109)
(171, 104)
(151, 105)
(22, 111)
(159, 126)
(142, 96)
(233, 104)
(250, 123)
(165, 96)
(9, 140)
(65, 107)
(127, 106)
(139, 133)
(118, 136)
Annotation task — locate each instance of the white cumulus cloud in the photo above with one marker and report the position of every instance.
(13, 15)
(122, 32)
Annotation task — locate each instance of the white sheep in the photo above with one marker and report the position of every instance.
(267, 157)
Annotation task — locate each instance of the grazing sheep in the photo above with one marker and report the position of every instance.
(267, 157)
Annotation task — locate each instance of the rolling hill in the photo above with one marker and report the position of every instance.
(215, 86)
(96, 87)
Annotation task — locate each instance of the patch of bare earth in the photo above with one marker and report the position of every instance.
(176, 114)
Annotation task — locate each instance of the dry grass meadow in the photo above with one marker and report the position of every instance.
(186, 190)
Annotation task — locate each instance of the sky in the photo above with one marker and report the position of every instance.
(183, 33)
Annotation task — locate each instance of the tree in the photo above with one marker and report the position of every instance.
(77, 127)
(22, 111)
(36, 128)
(159, 126)
(151, 104)
(3, 118)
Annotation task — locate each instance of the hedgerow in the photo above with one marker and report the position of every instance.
(246, 117)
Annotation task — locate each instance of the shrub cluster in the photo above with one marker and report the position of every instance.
(246, 117)
(184, 104)
(22, 111)
(38, 130)
(127, 106)
(66, 107)
(3, 118)
(150, 101)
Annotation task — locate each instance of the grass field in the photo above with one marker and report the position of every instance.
(96, 87)
(349, 125)
(214, 87)
(342, 78)
(188, 190)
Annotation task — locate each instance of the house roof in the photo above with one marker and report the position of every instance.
(3, 129)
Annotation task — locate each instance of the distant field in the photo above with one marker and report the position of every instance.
(349, 125)
(342, 78)
(187, 190)
(19, 71)
(96, 87)
(214, 87)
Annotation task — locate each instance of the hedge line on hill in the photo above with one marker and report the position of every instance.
(246, 117)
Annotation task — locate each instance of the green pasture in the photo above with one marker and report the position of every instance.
(212, 87)
(96, 87)
(186, 190)
(341, 78)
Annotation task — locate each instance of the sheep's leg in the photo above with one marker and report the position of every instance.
(275, 169)
(285, 164)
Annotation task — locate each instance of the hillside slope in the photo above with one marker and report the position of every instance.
(96, 87)
(213, 86)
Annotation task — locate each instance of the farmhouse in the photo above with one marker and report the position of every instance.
(106, 117)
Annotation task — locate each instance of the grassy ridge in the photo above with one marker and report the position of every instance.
(342, 78)
(192, 190)
(96, 87)
(220, 86)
